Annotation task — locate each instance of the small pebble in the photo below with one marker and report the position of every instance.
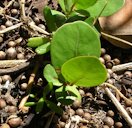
(107, 57)
(8, 23)
(80, 112)
(6, 77)
(2, 55)
(110, 113)
(61, 124)
(118, 125)
(76, 104)
(108, 121)
(106, 126)
(2, 103)
(87, 116)
(4, 126)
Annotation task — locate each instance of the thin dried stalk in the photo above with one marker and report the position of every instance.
(120, 108)
(10, 63)
(120, 94)
(122, 67)
(30, 82)
(15, 69)
(34, 27)
(22, 7)
(9, 4)
(11, 28)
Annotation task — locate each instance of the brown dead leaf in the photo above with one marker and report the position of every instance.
(119, 26)
(119, 23)
(39, 4)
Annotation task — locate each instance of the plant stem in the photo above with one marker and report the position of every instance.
(119, 107)
(49, 120)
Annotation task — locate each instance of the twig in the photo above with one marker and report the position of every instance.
(49, 120)
(116, 38)
(12, 18)
(122, 67)
(11, 28)
(32, 77)
(119, 107)
(120, 94)
(2, 10)
(22, 7)
(15, 69)
(9, 4)
(22, 103)
(30, 82)
(34, 27)
(10, 63)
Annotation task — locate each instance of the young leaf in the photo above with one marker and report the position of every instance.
(68, 100)
(90, 21)
(28, 104)
(54, 107)
(40, 104)
(50, 21)
(66, 5)
(73, 90)
(75, 16)
(111, 7)
(84, 71)
(51, 75)
(47, 89)
(83, 4)
(37, 41)
(60, 18)
(62, 5)
(67, 94)
(74, 39)
(43, 48)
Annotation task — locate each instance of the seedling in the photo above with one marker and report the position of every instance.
(74, 45)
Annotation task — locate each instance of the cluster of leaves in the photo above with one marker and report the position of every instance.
(74, 47)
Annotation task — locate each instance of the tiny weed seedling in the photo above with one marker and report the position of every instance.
(74, 46)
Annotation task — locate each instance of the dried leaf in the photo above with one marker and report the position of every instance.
(40, 4)
(117, 27)
(119, 23)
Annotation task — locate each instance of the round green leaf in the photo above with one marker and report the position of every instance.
(83, 4)
(74, 39)
(84, 71)
(37, 41)
(111, 7)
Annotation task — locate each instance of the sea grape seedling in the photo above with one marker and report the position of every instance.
(74, 47)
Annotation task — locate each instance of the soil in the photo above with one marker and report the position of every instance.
(96, 109)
